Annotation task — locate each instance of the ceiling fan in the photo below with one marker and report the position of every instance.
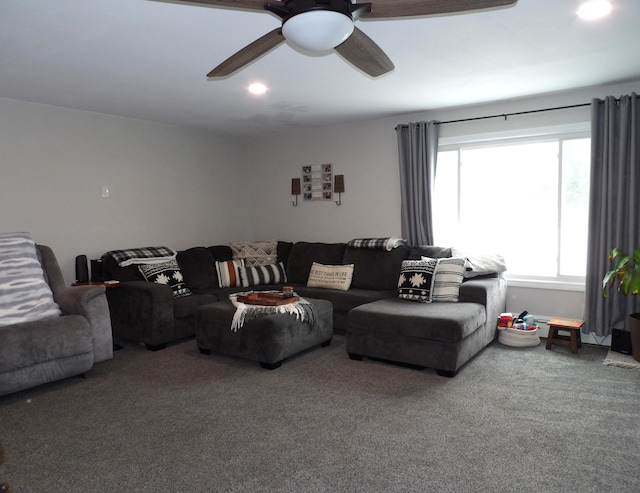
(320, 25)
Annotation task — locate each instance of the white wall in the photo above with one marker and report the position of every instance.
(169, 185)
(366, 153)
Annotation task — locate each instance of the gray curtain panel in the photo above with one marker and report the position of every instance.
(614, 210)
(418, 152)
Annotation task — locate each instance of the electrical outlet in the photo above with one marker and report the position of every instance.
(106, 193)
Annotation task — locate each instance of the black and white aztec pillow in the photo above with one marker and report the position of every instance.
(262, 274)
(168, 274)
(416, 280)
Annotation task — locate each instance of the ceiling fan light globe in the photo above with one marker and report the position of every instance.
(318, 30)
(594, 9)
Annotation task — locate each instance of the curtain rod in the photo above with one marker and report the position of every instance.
(506, 115)
(517, 113)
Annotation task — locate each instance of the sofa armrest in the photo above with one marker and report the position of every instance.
(490, 292)
(91, 303)
(142, 311)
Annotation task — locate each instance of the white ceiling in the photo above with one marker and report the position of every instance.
(148, 59)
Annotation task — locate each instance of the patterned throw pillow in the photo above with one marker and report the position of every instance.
(168, 274)
(262, 274)
(330, 276)
(449, 276)
(416, 280)
(228, 275)
(256, 252)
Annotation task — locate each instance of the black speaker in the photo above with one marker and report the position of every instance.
(82, 269)
(621, 341)
(96, 270)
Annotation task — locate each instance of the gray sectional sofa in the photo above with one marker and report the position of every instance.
(377, 324)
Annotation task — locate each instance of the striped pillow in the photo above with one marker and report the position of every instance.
(228, 276)
(264, 274)
(448, 277)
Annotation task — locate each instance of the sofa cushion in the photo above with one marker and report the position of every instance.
(221, 253)
(284, 249)
(343, 301)
(304, 254)
(255, 252)
(168, 274)
(416, 280)
(112, 271)
(450, 322)
(43, 351)
(198, 268)
(330, 276)
(375, 269)
(187, 306)
(228, 273)
(262, 274)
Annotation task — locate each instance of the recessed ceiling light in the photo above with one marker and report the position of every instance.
(594, 9)
(257, 88)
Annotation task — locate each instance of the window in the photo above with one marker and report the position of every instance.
(526, 198)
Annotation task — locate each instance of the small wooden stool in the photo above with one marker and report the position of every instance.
(572, 340)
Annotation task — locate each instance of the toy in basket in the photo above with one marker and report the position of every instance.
(520, 331)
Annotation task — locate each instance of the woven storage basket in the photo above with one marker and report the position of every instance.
(518, 338)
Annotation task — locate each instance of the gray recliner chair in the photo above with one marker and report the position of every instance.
(37, 352)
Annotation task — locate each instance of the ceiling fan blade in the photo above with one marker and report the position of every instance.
(233, 4)
(249, 53)
(361, 51)
(409, 8)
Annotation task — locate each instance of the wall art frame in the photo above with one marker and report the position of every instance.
(317, 182)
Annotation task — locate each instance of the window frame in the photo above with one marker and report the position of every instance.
(558, 133)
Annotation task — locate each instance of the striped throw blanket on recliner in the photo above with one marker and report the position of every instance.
(24, 294)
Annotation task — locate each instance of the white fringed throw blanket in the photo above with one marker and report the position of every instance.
(301, 309)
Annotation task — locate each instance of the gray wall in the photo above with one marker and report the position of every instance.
(169, 185)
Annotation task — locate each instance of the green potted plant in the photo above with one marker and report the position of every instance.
(625, 273)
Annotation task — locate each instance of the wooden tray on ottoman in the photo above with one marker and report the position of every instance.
(266, 299)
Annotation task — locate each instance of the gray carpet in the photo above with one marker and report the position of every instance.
(514, 419)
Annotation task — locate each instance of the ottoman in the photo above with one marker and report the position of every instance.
(269, 339)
